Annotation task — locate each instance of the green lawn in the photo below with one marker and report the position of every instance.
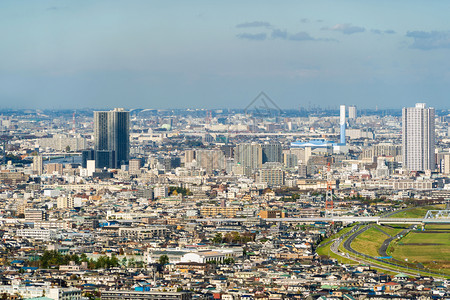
(369, 242)
(438, 227)
(390, 230)
(432, 250)
(417, 212)
(325, 250)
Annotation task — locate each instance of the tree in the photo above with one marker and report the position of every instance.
(68, 148)
(163, 260)
(83, 257)
(113, 261)
(228, 261)
(218, 238)
(124, 261)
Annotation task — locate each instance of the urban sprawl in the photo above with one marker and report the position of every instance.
(226, 204)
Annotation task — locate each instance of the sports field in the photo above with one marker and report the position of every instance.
(430, 249)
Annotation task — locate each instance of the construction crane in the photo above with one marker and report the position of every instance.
(208, 117)
(329, 205)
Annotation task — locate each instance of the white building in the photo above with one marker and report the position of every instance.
(38, 291)
(62, 142)
(160, 192)
(352, 112)
(64, 202)
(38, 165)
(418, 138)
(37, 234)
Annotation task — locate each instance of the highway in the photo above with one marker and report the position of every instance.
(344, 219)
(347, 246)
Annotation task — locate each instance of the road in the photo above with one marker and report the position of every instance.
(347, 246)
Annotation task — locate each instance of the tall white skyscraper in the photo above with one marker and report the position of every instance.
(418, 138)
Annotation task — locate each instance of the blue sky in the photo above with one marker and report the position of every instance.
(211, 54)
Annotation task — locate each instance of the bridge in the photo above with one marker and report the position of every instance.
(49, 154)
(344, 219)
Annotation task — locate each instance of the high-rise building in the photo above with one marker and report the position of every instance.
(418, 138)
(38, 165)
(342, 123)
(134, 166)
(85, 156)
(249, 156)
(189, 156)
(272, 152)
(352, 112)
(112, 135)
(210, 160)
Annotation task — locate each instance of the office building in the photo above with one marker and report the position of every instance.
(272, 153)
(85, 156)
(418, 138)
(112, 137)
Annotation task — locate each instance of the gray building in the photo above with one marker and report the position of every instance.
(112, 135)
(249, 156)
(272, 153)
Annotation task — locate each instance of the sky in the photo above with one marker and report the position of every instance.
(222, 54)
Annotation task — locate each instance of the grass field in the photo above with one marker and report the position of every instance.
(369, 242)
(326, 251)
(324, 248)
(438, 227)
(417, 212)
(337, 234)
(390, 230)
(432, 250)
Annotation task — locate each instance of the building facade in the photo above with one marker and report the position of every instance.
(112, 135)
(418, 138)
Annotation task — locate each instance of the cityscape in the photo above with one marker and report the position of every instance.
(224, 150)
(254, 203)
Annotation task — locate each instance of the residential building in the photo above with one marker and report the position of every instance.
(112, 134)
(418, 138)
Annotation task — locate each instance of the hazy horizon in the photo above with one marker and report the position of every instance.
(196, 54)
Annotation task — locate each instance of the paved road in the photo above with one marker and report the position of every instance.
(335, 249)
(385, 245)
(347, 246)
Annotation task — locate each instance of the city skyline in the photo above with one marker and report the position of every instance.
(168, 55)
